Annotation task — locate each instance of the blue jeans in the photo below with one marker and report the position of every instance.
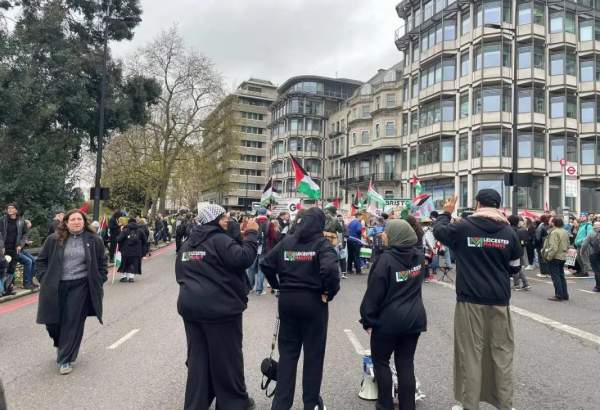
(28, 262)
(253, 271)
(557, 273)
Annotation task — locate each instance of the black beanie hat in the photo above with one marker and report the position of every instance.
(489, 197)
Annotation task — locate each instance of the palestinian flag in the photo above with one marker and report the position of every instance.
(422, 206)
(118, 262)
(374, 196)
(416, 182)
(269, 194)
(304, 183)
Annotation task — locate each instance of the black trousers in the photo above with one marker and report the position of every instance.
(403, 347)
(557, 273)
(530, 253)
(215, 366)
(354, 256)
(112, 248)
(303, 325)
(74, 302)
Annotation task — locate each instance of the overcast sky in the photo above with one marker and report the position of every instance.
(277, 39)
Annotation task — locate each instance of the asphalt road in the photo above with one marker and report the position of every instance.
(556, 367)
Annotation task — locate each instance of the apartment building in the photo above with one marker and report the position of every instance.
(247, 113)
(299, 126)
(459, 90)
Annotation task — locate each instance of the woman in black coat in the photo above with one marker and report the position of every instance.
(392, 312)
(133, 244)
(71, 270)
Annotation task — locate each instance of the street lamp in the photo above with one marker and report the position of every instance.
(515, 152)
(97, 186)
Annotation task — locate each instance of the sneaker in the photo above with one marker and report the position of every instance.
(528, 287)
(539, 275)
(458, 407)
(344, 276)
(65, 368)
(131, 280)
(123, 280)
(528, 267)
(596, 289)
(516, 288)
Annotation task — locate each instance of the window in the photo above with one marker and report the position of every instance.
(490, 144)
(295, 144)
(414, 122)
(353, 138)
(439, 5)
(465, 23)
(491, 182)
(562, 21)
(557, 148)
(365, 168)
(464, 104)
(563, 105)
(415, 87)
(428, 10)
(464, 63)
(524, 56)
(492, 56)
(562, 62)
(447, 148)
(557, 106)
(539, 55)
(588, 111)
(495, 98)
(463, 147)
(449, 30)
(464, 191)
(448, 110)
(586, 30)
(429, 152)
(251, 158)
(413, 157)
(539, 100)
(252, 130)
(252, 144)
(539, 14)
(525, 145)
(377, 131)
(586, 69)
(524, 13)
(448, 69)
(252, 116)
(531, 197)
(366, 111)
(587, 151)
(389, 161)
(390, 99)
(364, 137)
(405, 124)
(390, 129)
(525, 100)
(492, 12)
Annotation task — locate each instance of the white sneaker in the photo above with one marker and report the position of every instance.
(458, 407)
(529, 267)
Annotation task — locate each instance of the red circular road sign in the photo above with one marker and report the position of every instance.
(571, 170)
(563, 162)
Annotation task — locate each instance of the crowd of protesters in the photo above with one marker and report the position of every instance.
(223, 257)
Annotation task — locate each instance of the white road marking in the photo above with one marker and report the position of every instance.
(582, 334)
(123, 339)
(360, 350)
(588, 291)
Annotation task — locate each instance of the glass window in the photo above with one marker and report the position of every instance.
(557, 63)
(439, 5)
(476, 153)
(477, 58)
(390, 129)
(525, 100)
(464, 104)
(587, 151)
(464, 191)
(524, 56)
(525, 147)
(557, 107)
(539, 56)
(413, 157)
(476, 100)
(390, 100)
(492, 12)
(556, 22)
(447, 150)
(449, 30)
(539, 13)
(570, 22)
(364, 137)
(466, 23)
(463, 147)
(492, 99)
(377, 133)
(477, 18)
(588, 111)
(490, 146)
(571, 67)
(491, 55)
(449, 69)
(557, 148)
(464, 63)
(539, 100)
(586, 70)
(448, 110)
(539, 145)
(586, 30)
(524, 13)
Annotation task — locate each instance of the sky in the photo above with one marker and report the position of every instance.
(278, 39)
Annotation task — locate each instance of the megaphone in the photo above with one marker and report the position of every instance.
(368, 386)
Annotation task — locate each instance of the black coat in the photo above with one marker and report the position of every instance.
(49, 270)
(133, 247)
(211, 272)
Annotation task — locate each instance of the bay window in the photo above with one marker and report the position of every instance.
(448, 68)
(464, 63)
(586, 69)
(492, 55)
(588, 150)
(464, 104)
(563, 105)
(589, 111)
(524, 13)
(447, 148)
(586, 29)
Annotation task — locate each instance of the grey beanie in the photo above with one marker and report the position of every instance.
(209, 212)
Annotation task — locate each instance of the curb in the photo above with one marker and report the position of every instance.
(25, 292)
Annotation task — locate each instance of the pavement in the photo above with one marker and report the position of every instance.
(136, 360)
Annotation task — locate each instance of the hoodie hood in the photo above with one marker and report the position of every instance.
(200, 233)
(310, 224)
(406, 253)
(486, 224)
(132, 225)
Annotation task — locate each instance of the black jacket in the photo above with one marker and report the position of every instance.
(523, 235)
(49, 269)
(392, 304)
(211, 272)
(304, 260)
(487, 253)
(133, 241)
(21, 239)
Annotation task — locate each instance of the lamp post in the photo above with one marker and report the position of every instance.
(101, 109)
(515, 151)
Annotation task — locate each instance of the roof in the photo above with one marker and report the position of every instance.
(296, 79)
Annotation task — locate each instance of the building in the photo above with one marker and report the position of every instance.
(244, 139)
(365, 143)
(460, 90)
(299, 126)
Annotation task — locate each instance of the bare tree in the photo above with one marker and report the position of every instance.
(191, 87)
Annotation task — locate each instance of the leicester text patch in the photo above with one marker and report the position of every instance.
(481, 242)
(193, 256)
(405, 275)
(294, 256)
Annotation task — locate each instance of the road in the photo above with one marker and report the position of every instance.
(556, 363)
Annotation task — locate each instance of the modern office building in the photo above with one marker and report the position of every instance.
(299, 126)
(241, 119)
(364, 141)
(456, 127)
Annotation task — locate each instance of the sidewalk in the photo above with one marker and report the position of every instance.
(24, 292)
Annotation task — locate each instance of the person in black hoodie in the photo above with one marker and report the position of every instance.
(488, 253)
(392, 312)
(210, 270)
(303, 266)
(133, 244)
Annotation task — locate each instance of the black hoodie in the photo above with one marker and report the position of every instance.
(487, 253)
(304, 260)
(211, 272)
(392, 304)
(132, 240)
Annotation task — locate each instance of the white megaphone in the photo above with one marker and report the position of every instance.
(368, 386)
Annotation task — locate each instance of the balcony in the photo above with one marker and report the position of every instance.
(378, 177)
(588, 86)
(526, 30)
(556, 39)
(561, 81)
(589, 128)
